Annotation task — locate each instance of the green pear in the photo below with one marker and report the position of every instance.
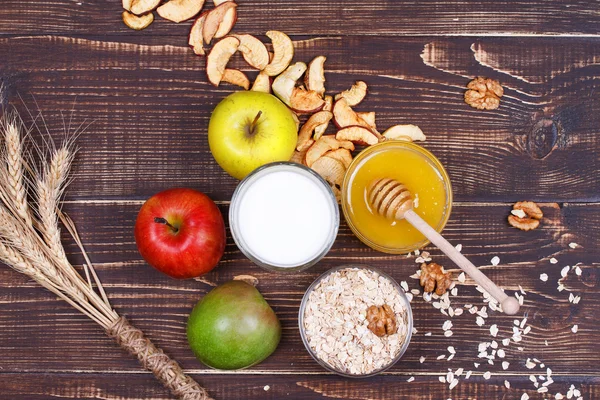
(233, 327)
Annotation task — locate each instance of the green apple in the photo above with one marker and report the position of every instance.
(250, 129)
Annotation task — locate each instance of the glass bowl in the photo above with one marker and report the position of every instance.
(398, 157)
(245, 237)
(408, 321)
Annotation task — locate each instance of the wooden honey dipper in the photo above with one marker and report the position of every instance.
(393, 200)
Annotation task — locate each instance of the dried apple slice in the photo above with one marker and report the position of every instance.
(315, 75)
(306, 101)
(344, 116)
(323, 145)
(332, 171)
(355, 94)
(342, 155)
(214, 19)
(321, 129)
(139, 7)
(219, 56)
(236, 77)
(284, 84)
(127, 4)
(226, 25)
(299, 156)
(262, 83)
(195, 38)
(369, 118)
(322, 117)
(180, 10)
(404, 132)
(357, 134)
(283, 49)
(254, 51)
(296, 120)
(137, 22)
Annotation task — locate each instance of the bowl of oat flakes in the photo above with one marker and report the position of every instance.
(355, 321)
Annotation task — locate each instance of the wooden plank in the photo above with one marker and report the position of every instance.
(223, 387)
(150, 104)
(473, 17)
(40, 334)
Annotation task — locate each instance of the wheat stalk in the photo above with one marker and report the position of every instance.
(30, 243)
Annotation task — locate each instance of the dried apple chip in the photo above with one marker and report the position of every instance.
(342, 155)
(195, 38)
(283, 48)
(219, 56)
(315, 75)
(137, 22)
(344, 116)
(332, 171)
(262, 83)
(300, 156)
(357, 134)
(227, 23)
(139, 7)
(323, 145)
(322, 117)
(214, 19)
(306, 101)
(179, 10)
(404, 132)
(254, 51)
(236, 77)
(321, 129)
(355, 94)
(369, 118)
(284, 85)
(127, 4)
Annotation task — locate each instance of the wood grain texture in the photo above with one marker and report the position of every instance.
(150, 104)
(136, 386)
(37, 331)
(474, 17)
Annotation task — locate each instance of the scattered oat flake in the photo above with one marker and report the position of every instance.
(573, 245)
(267, 388)
(422, 359)
(575, 328)
(441, 357)
(544, 277)
(494, 330)
(501, 353)
(506, 341)
(495, 260)
(564, 271)
(578, 271)
(458, 247)
(454, 291)
(461, 278)
(546, 342)
(412, 378)
(427, 334)
(442, 379)
(507, 384)
(447, 325)
(487, 375)
(448, 333)
(553, 261)
(468, 374)
(525, 396)
(480, 321)
(505, 365)
(453, 384)
(529, 364)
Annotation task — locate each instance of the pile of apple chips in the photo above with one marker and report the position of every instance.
(300, 86)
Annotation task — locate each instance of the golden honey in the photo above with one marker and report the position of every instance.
(419, 171)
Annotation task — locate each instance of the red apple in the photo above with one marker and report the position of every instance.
(180, 232)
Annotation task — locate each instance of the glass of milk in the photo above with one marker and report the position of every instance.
(284, 217)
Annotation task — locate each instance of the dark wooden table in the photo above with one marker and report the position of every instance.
(149, 100)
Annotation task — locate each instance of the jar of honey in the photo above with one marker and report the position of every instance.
(424, 176)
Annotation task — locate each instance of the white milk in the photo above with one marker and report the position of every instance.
(285, 217)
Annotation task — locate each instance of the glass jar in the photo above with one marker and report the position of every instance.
(284, 217)
(424, 176)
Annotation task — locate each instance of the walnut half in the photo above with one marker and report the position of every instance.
(433, 277)
(526, 215)
(483, 93)
(382, 320)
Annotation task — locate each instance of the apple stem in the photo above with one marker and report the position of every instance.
(253, 124)
(160, 220)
